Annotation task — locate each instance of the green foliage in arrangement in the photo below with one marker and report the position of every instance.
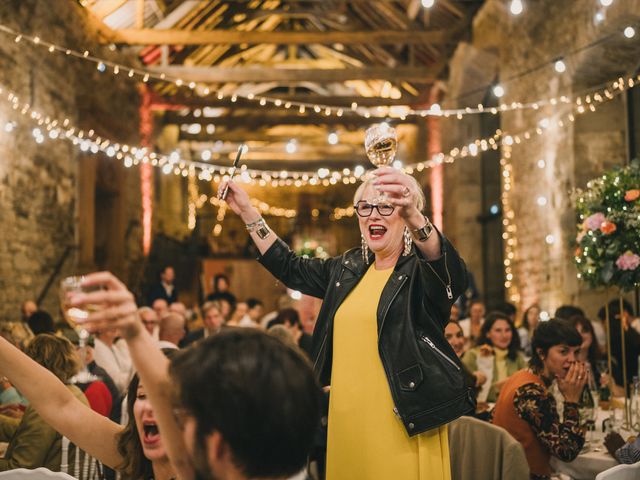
(608, 229)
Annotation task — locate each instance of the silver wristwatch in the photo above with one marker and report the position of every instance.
(422, 234)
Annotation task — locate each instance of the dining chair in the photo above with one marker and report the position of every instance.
(621, 472)
(482, 451)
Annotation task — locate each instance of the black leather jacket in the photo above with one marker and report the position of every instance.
(424, 374)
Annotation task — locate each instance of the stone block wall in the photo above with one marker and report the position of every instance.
(39, 183)
(544, 272)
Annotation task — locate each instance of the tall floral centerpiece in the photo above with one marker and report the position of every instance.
(608, 239)
(608, 223)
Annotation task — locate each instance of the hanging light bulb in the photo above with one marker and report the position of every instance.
(498, 90)
(291, 146)
(333, 138)
(629, 32)
(560, 66)
(428, 3)
(516, 7)
(606, 3)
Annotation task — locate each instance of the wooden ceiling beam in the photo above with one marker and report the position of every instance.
(270, 119)
(334, 100)
(262, 74)
(150, 36)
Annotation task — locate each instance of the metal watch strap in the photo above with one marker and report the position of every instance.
(422, 234)
(260, 227)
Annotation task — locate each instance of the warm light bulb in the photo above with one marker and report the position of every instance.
(629, 32)
(291, 146)
(333, 138)
(542, 201)
(498, 91)
(550, 239)
(428, 3)
(516, 7)
(606, 3)
(560, 66)
(541, 163)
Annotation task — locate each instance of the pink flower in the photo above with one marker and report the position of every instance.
(594, 221)
(628, 261)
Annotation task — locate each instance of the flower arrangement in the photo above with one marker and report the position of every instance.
(608, 224)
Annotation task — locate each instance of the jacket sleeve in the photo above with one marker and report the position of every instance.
(8, 426)
(444, 280)
(30, 445)
(308, 275)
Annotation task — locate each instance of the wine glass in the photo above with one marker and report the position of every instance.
(75, 316)
(381, 144)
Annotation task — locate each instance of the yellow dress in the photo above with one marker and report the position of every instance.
(366, 441)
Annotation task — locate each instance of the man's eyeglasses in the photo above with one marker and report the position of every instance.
(364, 209)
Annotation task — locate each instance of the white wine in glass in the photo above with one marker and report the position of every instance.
(381, 145)
(75, 317)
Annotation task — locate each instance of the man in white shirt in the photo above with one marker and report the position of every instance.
(114, 358)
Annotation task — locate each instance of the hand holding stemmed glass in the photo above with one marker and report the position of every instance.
(75, 317)
(381, 144)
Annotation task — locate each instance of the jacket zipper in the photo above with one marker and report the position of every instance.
(388, 306)
(324, 340)
(428, 341)
(447, 286)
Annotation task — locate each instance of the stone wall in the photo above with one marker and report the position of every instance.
(41, 199)
(572, 154)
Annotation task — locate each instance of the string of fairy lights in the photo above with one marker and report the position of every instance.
(173, 163)
(120, 70)
(509, 229)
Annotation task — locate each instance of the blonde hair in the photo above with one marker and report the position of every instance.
(419, 199)
(56, 354)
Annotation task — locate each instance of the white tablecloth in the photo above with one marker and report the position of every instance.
(589, 463)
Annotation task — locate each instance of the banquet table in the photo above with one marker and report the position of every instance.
(593, 459)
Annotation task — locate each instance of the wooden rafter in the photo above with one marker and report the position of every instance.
(149, 36)
(262, 74)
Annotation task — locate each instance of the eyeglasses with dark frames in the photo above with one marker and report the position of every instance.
(365, 209)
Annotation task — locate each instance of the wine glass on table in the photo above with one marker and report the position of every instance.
(75, 317)
(381, 145)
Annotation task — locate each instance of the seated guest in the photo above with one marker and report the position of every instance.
(567, 311)
(254, 312)
(172, 330)
(238, 314)
(114, 357)
(160, 306)
(471, 326)
(589, 353)
(149, 319)
(290, 318)
(631, 349)
(624, 452)
(98, 398)
(529, 323)
(41, 322)
(32, 442)
(27, 308)
(497, 355)
(455, 336)
(213, 322)
(527, 409)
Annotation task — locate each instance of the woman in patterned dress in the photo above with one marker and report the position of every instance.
(526, 408)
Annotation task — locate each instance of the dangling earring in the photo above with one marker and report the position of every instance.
(407, 242)
(365, 250)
